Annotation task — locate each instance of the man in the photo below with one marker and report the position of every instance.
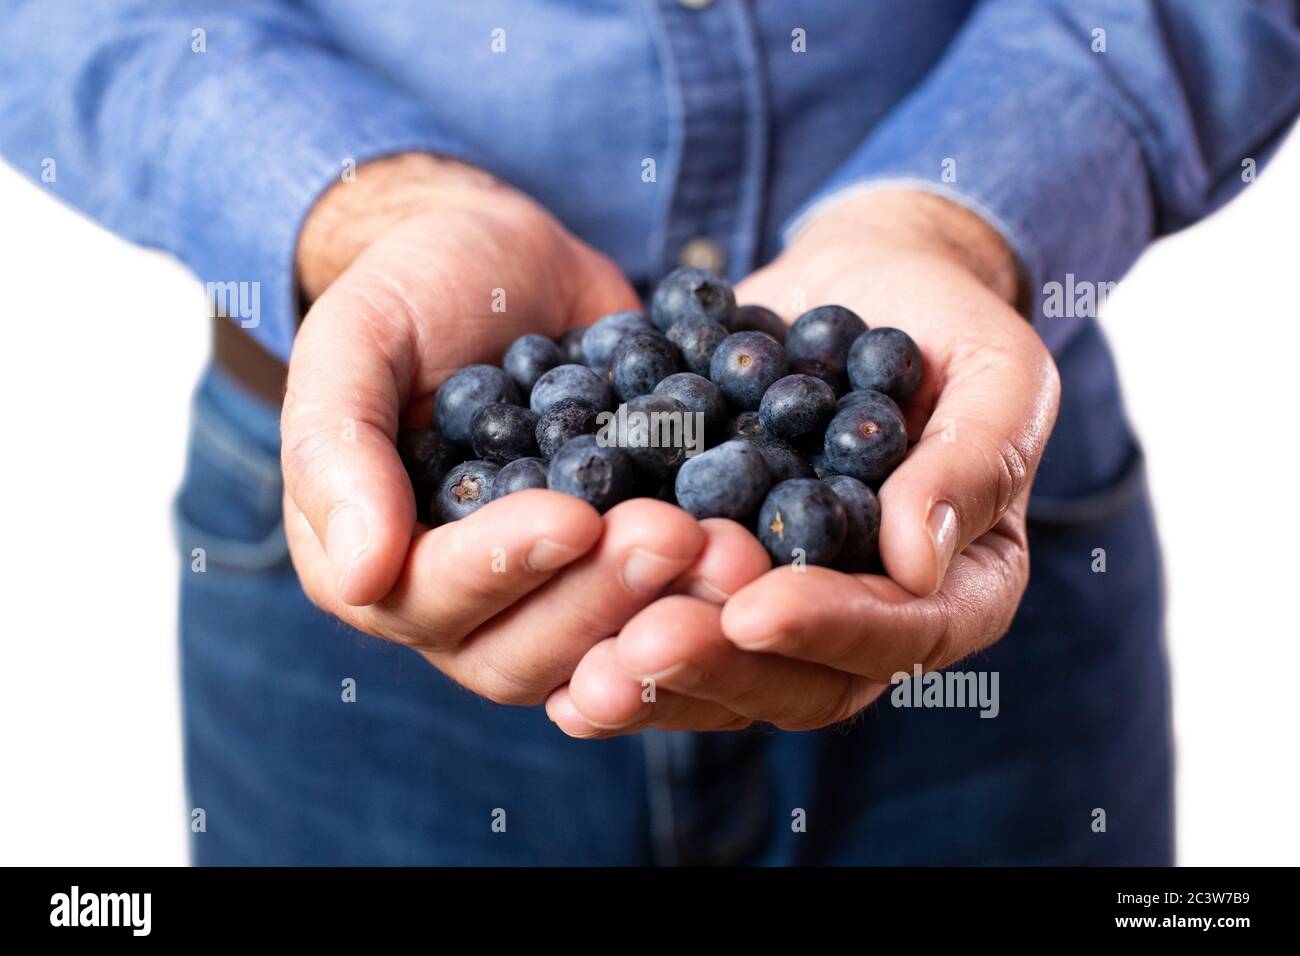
(431, 183)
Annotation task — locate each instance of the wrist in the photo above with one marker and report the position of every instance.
(921, 222)
(354, 213)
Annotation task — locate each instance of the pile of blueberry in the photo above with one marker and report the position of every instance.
(799, 424)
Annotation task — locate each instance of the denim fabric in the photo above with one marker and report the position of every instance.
(417, 770)
(1080, 155)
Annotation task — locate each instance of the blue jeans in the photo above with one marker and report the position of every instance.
(419, 771)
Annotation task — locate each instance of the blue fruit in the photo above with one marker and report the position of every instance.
(783, 461)
(599, 341)
(520, 475)
(567, 418)
(819, 371)
(528, 357)
(427, 457)
(697, 340)
(725, 482)
(865, 441)
(860, 553)
(870, 399)
(691, 294)
(464, 490)
(886, 360)
(569, 381)
(747, 426)
(464, 393)
(745, 364)
(802, 520)
(652, 429)
(600, 475)
(501, 433)
(570, 344)
(820, 466)
(824, 335)
(700, 396)
(756, 318)
(640, 362)
(796, 405)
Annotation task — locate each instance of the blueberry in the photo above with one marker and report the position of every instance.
(824, 334)
(747, 426)
(528, 357)
(701, 397)
(464, 393)
(819, 371)
(501, 433)
(886, 360)
(601, 339)
(427, 457)
(725, 482)
(640, 362)
(870, 399)
(697, 339)
(796, 405)
(520, 475)
(756, 318)
(821, 468)
(802, 519)
(861, 550)
(570, 344)
(866, 442)
(655, 431)
(464, 490)
(745, 365)
(692, 293)
(567, 418)
(569, 381)
(783, 461)
(600, 475)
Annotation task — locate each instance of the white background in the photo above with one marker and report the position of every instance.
(102, 345)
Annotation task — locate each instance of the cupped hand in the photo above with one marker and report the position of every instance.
(804, 648)
(416, 269)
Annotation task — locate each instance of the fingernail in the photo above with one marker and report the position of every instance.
(706, 591)
(346, 537)
(942, 524)
(547, 555)
(644, 571)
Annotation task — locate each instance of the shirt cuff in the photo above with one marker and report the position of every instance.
(251, 154)
(1044, 161)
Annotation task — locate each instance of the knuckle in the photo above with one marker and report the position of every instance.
(502, 685)
(825, 711)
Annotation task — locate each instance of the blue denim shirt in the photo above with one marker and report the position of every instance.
(1081, 129)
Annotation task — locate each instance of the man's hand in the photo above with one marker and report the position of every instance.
(405, 266)
(804, 649)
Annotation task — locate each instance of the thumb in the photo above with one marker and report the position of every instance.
(338, 426)
(978, 453)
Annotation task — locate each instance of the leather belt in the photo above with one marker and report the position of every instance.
(240, 357)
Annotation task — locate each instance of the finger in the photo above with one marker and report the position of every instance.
(868, 625)
(677, 643)
(606, 702)
(730, 559)
(459, 575)
(996, 406)
(338, 423)
(529, 649)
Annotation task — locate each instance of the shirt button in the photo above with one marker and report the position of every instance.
(701, 253)
(695, 4)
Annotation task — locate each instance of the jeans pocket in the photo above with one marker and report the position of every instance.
(229, 512)
(1097, 504)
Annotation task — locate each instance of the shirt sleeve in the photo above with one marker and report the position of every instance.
(1083, 129)
(205, 128)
